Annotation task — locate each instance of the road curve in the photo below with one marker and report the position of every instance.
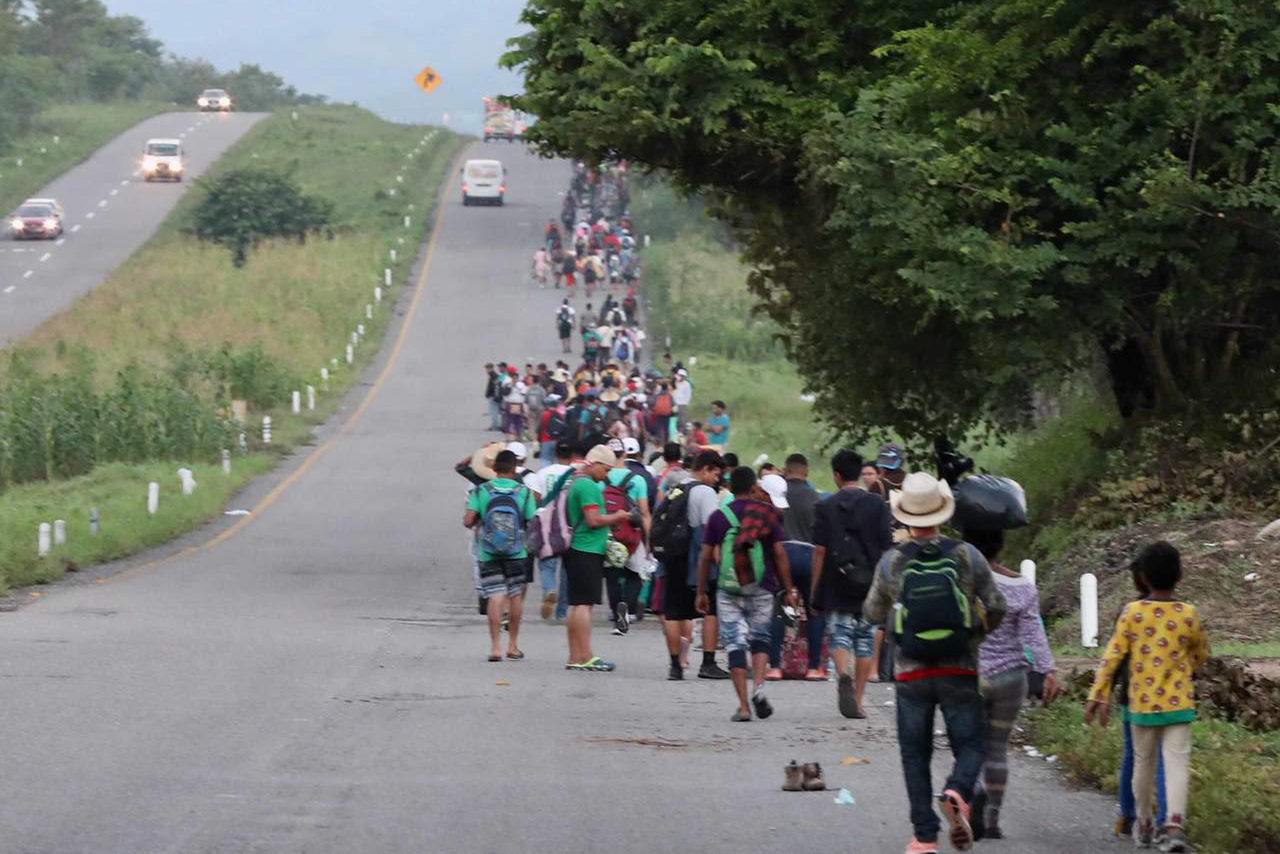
(110, 212)
(316, 682)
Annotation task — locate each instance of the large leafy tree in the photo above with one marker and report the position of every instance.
(245, 207)
(949, 205)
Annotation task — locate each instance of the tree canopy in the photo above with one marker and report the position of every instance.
(244, 207)
(948, 205)
(71, 50)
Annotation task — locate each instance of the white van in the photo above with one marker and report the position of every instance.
(484, 182)
(162, 160)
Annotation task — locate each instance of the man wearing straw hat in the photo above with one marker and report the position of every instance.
(943, 600)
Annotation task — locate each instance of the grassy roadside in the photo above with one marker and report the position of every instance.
(119, 492)
(1235, 775)
(298, 303)
(80, 129)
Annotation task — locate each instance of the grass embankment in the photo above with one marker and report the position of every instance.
(298, 303)
(1235, 775)
(80, 130)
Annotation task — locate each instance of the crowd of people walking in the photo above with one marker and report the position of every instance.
(605, 484)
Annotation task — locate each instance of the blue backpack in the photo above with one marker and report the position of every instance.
(502, 528)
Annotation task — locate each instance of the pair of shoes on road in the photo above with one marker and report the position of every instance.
(803, 778)
(675, 673)
(845, 698)
(818, 675)
(621, 620)
(774, 674)
(548, 605)
(595, 664)
(511, 656)
(915, 846)
(712, 671)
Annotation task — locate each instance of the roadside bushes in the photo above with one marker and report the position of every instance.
(60, 425)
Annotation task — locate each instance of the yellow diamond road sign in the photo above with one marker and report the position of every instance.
(427, 79)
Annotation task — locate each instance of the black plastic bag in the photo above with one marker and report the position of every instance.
(985, 502)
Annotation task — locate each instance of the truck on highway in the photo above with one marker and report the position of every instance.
(500, 121)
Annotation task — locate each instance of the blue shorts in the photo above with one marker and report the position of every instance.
(851, 633)
(746, 620)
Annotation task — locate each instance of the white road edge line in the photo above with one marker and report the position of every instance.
(10, 289)
(45, 257)
(28, 274)
(89, 215)
(102, 204)
(75, 228)
(115, 192)
(61, 240)
(126, 183)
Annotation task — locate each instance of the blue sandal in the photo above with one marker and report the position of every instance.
(595, 664)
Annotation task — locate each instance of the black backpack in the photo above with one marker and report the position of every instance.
(669, 532)
(854, 565)
(933, 619)
(556, 426)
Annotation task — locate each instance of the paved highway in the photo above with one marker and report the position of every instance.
(316, 680)
(110, 212)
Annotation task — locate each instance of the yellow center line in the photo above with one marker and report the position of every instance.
(270, 498)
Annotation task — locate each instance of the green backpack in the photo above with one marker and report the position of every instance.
(742, 553)
(932, 619)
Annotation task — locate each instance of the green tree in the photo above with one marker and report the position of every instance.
(244, 207)
(948, 205)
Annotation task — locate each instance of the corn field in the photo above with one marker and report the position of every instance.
(60, 425)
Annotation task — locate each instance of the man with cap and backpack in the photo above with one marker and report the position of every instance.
(501, 508)
(942, 600)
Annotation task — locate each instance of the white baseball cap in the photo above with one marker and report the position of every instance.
(519, 450)
(630, 446)
(773, 484)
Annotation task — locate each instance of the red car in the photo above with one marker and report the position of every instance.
(35, 220)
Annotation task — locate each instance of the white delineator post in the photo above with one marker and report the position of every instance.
(46, 537)
(351, 354)
(311, 398)
(406, 222)
(324, 378)
(297, 402)
(386, 276)
(153, 497)
(1028, 571)
(368, 311)
(188, 482)
(266, 429)
(1089, 610)
(59, 532)
(95, 521)
(360, 329)
(393, 256)
(226, 461)
(244, 441)
(355, 337)
(377, 294)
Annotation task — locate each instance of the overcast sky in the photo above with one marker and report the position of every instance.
(368, 52)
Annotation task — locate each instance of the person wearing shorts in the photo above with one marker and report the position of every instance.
(746, 613)
(501, 578)
(584, 561)
(681, 572)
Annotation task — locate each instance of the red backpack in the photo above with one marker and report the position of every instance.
(615, 499)
(663, 404)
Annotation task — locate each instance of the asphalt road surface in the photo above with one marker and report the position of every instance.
(316, 681)
(110, 212)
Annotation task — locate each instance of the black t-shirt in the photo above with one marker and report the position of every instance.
(867, 517)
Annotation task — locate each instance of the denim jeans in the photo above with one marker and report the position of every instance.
(495, 415)
(548, 569)
(548, 452)
(562, 599)
(1128, 806)
(962, 713)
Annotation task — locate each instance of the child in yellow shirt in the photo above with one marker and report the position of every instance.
(1165, 642)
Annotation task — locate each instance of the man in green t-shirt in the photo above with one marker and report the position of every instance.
(502, 576)
(584, 561)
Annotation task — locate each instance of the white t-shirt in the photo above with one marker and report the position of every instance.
(516, 395)
(549, 475)
(703, 501)
(683, 393)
